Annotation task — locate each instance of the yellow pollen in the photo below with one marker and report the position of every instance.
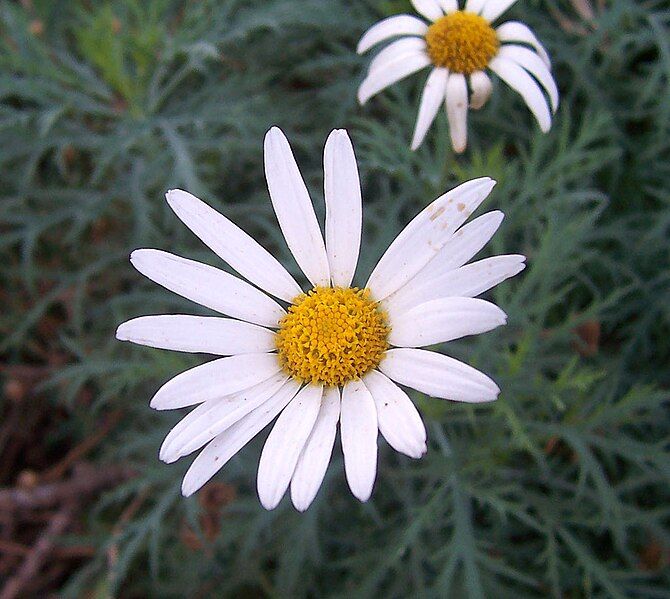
(332, 335)
(463, 42)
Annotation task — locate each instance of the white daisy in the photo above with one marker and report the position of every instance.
(459, 45)
(334, 353)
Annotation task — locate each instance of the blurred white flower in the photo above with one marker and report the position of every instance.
(459, 46)
(337, 353)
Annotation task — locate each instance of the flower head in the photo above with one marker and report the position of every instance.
(335, 354)
(332, 335)
(460, 46)
(462, 42)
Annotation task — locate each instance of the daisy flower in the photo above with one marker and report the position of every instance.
(459, 46)
(335, 354)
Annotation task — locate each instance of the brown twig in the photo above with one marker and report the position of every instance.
(126, 516)
(57, 502)
(14, 435)
(57, 471)
(85, 481)
(38, 554)
(65, 552)
(26, 371)
(584, 9)
(565, 23)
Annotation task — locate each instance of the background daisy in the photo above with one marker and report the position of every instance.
(460, 46)
(333, 355)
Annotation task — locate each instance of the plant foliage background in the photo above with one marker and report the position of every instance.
(558, 489)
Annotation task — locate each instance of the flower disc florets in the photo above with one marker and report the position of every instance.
(332, 335)
(462, 42)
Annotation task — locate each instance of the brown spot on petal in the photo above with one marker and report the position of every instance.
(437, 213)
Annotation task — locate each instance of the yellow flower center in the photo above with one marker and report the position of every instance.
(332, 335)
(463, 42)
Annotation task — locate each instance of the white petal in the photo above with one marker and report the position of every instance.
(233, 245)
(344, 216)
(230, 441)
(189, 426)
(512, 74)
(474, 279)
(402, 48)
(213, 417)
(285, 443)
(395, 71)
(448, 5)
(462, 246)
(457, 110)
(434, 93)
(294, 209)
(425, 236)
(313, 462)
(474, 6)
(208, 286)
(467, 281)
(530, 61)
(197, 334)
(494, 8)
(398, 419)
(429, 9)
(445, 319)
(391, 27)
(215, 379)
(481, 86)
(358, 429)
(513, 31)
(438, 375)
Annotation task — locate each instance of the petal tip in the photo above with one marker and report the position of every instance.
(417, 452)
(157, 402)
(136, 256)
(495, 391)
(363, 93)
(168, 458)
(269, 503)
(361, 489)
(362, 496)
(187, 488)
(175, 197)
(300, 503)
(481, 182)
(337, 135)
(274, 132)
(121, 332)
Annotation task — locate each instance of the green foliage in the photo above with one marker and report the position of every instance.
(554, 490)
